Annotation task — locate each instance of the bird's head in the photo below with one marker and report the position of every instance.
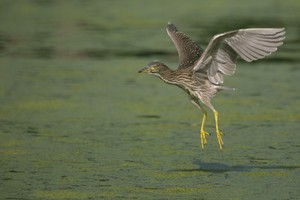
(154, 67)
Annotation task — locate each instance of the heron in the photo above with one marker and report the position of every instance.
(201, 71)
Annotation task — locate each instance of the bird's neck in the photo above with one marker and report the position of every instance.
(169, 76)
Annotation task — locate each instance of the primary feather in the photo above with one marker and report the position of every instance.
(250, 44)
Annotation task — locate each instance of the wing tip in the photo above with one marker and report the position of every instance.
(267, 31)
(171, 27)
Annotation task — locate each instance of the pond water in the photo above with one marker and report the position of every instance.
(78, 122)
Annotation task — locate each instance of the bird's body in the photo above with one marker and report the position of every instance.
(195, 84)
(200, 72)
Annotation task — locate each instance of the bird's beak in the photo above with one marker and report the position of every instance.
(144, 70)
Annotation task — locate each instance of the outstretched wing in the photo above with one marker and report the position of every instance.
(250, 44)
(188, 51)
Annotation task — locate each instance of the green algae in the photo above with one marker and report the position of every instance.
(264, 174)
(78, 122)
(63, 194)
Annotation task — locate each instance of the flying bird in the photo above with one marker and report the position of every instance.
(200, 72)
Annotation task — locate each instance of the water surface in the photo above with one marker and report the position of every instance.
(78, 122)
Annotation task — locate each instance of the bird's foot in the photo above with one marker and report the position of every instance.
(203, 138)
(220, 141)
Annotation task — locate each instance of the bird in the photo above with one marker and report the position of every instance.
(201, 72)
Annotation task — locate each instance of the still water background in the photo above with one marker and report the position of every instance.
(78, 122)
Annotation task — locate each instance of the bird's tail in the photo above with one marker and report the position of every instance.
(222, 87)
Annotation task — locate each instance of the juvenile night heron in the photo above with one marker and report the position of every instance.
(200, 72)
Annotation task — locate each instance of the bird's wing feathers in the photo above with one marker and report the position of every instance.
(250, 44)
(188, 51)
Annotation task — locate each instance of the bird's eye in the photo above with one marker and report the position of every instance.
(153, 68)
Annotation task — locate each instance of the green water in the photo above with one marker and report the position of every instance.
(78, 122)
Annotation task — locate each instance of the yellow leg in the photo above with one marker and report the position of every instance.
(219, 133)
(202, 132)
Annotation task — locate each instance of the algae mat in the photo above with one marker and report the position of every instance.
(78, 122)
